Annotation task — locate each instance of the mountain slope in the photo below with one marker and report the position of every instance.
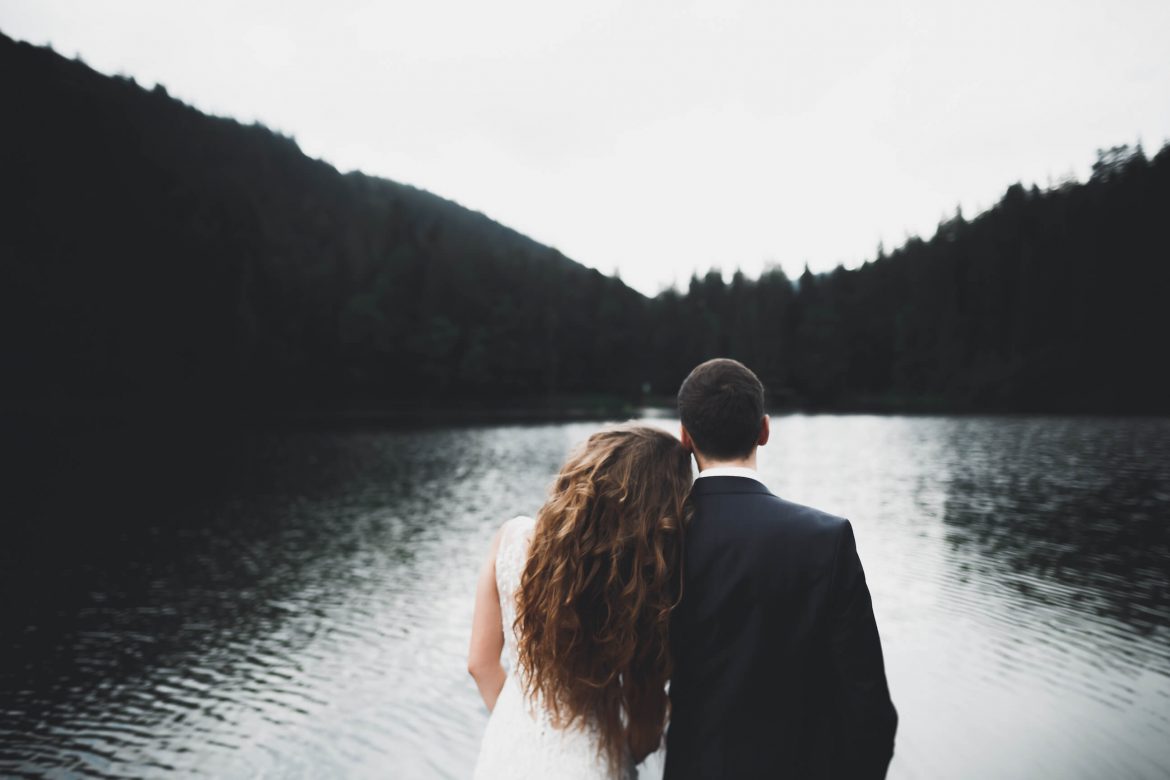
(153, 254)
(1051, 301)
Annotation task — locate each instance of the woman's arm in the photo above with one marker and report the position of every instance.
(487, 632)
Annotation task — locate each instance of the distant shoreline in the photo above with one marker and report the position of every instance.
(403, 416)
(389, 415)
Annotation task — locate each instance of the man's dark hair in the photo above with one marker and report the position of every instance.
(721, 404)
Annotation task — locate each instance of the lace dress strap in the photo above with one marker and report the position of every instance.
(511, 557)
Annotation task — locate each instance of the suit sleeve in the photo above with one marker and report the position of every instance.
(868, 719)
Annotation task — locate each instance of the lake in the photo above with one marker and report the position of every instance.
(297, 604)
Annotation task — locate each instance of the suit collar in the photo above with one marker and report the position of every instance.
(730, 471)
(713, 485)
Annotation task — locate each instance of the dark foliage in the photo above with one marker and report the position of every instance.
(155, 257)
(152, 254)
(1050, 301)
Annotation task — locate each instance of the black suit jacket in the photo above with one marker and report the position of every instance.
(778, 666)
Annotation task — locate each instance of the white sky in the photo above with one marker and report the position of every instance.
(660, 138)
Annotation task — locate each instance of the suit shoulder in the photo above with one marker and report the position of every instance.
(808, 515)
(765, 516)
(806, 522)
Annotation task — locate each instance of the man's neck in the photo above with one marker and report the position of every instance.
(743, 463)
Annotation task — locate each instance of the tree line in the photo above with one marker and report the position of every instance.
(156, 257)
(1052, 300)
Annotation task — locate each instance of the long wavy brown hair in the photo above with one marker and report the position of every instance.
(603, 574)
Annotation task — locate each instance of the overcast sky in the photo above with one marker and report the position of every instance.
(660, 138)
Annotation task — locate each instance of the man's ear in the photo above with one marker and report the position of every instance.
(685, 438)
(765, 432)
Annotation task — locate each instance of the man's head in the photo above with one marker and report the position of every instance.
(721, 404)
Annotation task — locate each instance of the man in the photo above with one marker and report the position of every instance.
(778, 667)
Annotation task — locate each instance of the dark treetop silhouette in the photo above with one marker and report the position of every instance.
(154, 256)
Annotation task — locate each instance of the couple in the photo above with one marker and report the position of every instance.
(753, 608)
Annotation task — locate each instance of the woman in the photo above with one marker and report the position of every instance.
(578, 603)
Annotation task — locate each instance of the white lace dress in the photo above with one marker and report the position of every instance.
(520, 741)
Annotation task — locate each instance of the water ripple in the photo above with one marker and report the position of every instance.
(304, 612)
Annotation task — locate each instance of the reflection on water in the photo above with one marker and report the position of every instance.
(298, 604)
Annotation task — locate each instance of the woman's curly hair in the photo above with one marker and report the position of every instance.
(604, 572)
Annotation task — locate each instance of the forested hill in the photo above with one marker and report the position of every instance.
(156, 258)
(1053, 300)
(155, 255)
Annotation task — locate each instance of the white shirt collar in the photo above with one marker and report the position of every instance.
(731, 471)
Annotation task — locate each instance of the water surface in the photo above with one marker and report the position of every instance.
(297, 604)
